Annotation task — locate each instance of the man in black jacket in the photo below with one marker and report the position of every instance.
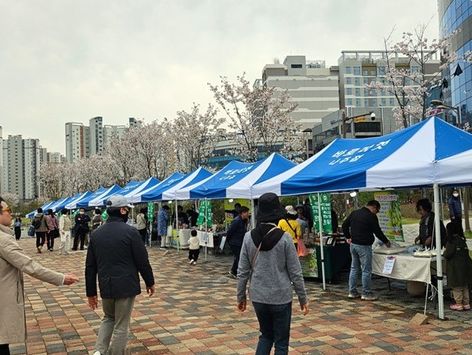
(359, 228)
(235, 236)
(117, 254)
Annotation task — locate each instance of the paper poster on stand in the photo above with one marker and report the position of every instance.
(390, 216)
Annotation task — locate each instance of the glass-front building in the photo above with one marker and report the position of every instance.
(455, 16)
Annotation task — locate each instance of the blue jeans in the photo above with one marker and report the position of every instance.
(274, 325)
(361, 261)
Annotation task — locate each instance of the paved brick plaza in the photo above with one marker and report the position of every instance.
(194, 313)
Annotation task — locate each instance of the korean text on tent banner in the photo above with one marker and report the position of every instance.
(204, 214)
(325, 212)
(390, 216)
(150, 211)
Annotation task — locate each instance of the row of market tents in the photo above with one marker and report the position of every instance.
(431, 153)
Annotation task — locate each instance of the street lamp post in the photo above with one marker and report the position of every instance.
(441, 105)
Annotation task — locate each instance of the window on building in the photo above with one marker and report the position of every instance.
(348, 70)
(348, 91)
(296, 66)
(357, 70)
(348, 81)
(392, 101)
(358, 102)
(381, 70)
(349, 102)
(357, 81)
(383, 101)
(358, 92)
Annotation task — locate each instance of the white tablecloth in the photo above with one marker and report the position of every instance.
(407, 267)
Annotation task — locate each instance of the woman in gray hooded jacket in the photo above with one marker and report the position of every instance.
(269, 261)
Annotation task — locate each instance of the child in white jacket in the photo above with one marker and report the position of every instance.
(194, 247)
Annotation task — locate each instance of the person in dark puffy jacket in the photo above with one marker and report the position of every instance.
(459, 266)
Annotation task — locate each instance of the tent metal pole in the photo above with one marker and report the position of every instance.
(253, 215)
(206, 230)
(320, 227)
(177, 225)
(437, 234)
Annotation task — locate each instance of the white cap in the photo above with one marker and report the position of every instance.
(118, 201)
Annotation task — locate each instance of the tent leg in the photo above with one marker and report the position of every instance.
(253, 215)
(437, 232)
(320, 227)
(177, 225)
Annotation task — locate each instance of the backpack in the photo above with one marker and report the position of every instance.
(37, 222)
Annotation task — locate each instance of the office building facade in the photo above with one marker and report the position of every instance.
(455, 21)
(310, 85)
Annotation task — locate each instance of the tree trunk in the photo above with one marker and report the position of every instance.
(466, 208)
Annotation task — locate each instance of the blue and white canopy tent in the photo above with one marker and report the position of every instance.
(54, 206)
(155, 193)
(72, 205)
(430, 153)
(215, 186)
(191, 179)
(143, 186)
(101, 199)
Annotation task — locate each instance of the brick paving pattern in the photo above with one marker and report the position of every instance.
(194, 313)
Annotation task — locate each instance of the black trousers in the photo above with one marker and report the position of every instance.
(4, 349)
(50, 239)
(236, 249)
(143, 233)
(40, 239)
(17, 233)
(193, 254)
(79, 236)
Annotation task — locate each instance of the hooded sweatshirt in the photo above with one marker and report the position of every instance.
(275, 269)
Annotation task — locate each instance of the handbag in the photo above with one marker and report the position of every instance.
(301, 248)
(31, 231)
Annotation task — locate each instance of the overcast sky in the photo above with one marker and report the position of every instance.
(63, 61)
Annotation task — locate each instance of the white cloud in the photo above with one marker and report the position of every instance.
(72, 60)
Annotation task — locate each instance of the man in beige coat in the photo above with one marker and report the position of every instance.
(13, 262)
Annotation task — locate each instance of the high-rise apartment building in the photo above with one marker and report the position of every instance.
(310, 85)
(96, 135)
(455, 20)
(77, 141)
(358, 69)
(21, 164)
(111, 132)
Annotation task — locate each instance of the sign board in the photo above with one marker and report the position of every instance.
(390, 216)
(205, 216)
(325, 212)
(309, 263)
(150, 211)
(389, 264)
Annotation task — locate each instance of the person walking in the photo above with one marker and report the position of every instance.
(458, 266)
(116, 255)
(270, 264)
(235, 236)
(162, 223)
(81, 229)
(41, 229)
(290, 225)
(455, 207)
(96, 219)
(193, 247)
(359, 229)
(13, 263)
(17, 225)
(65, 227)
(53, 229)
(141, 224)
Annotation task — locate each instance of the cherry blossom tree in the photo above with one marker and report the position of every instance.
(259, 117)
(408, 63)
(196, 134)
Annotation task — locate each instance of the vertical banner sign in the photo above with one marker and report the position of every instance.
(390, 216)
(150, 211)
(205, 214)
(104, 215)
(325, 212)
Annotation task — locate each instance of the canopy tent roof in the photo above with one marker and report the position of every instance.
(43, 207)
(154, 193)
(273, 165)
(143, 186)
(100, 199)
(85, 195)
(215, 185)
(191, 179)
(429, 152)
(58, 203)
